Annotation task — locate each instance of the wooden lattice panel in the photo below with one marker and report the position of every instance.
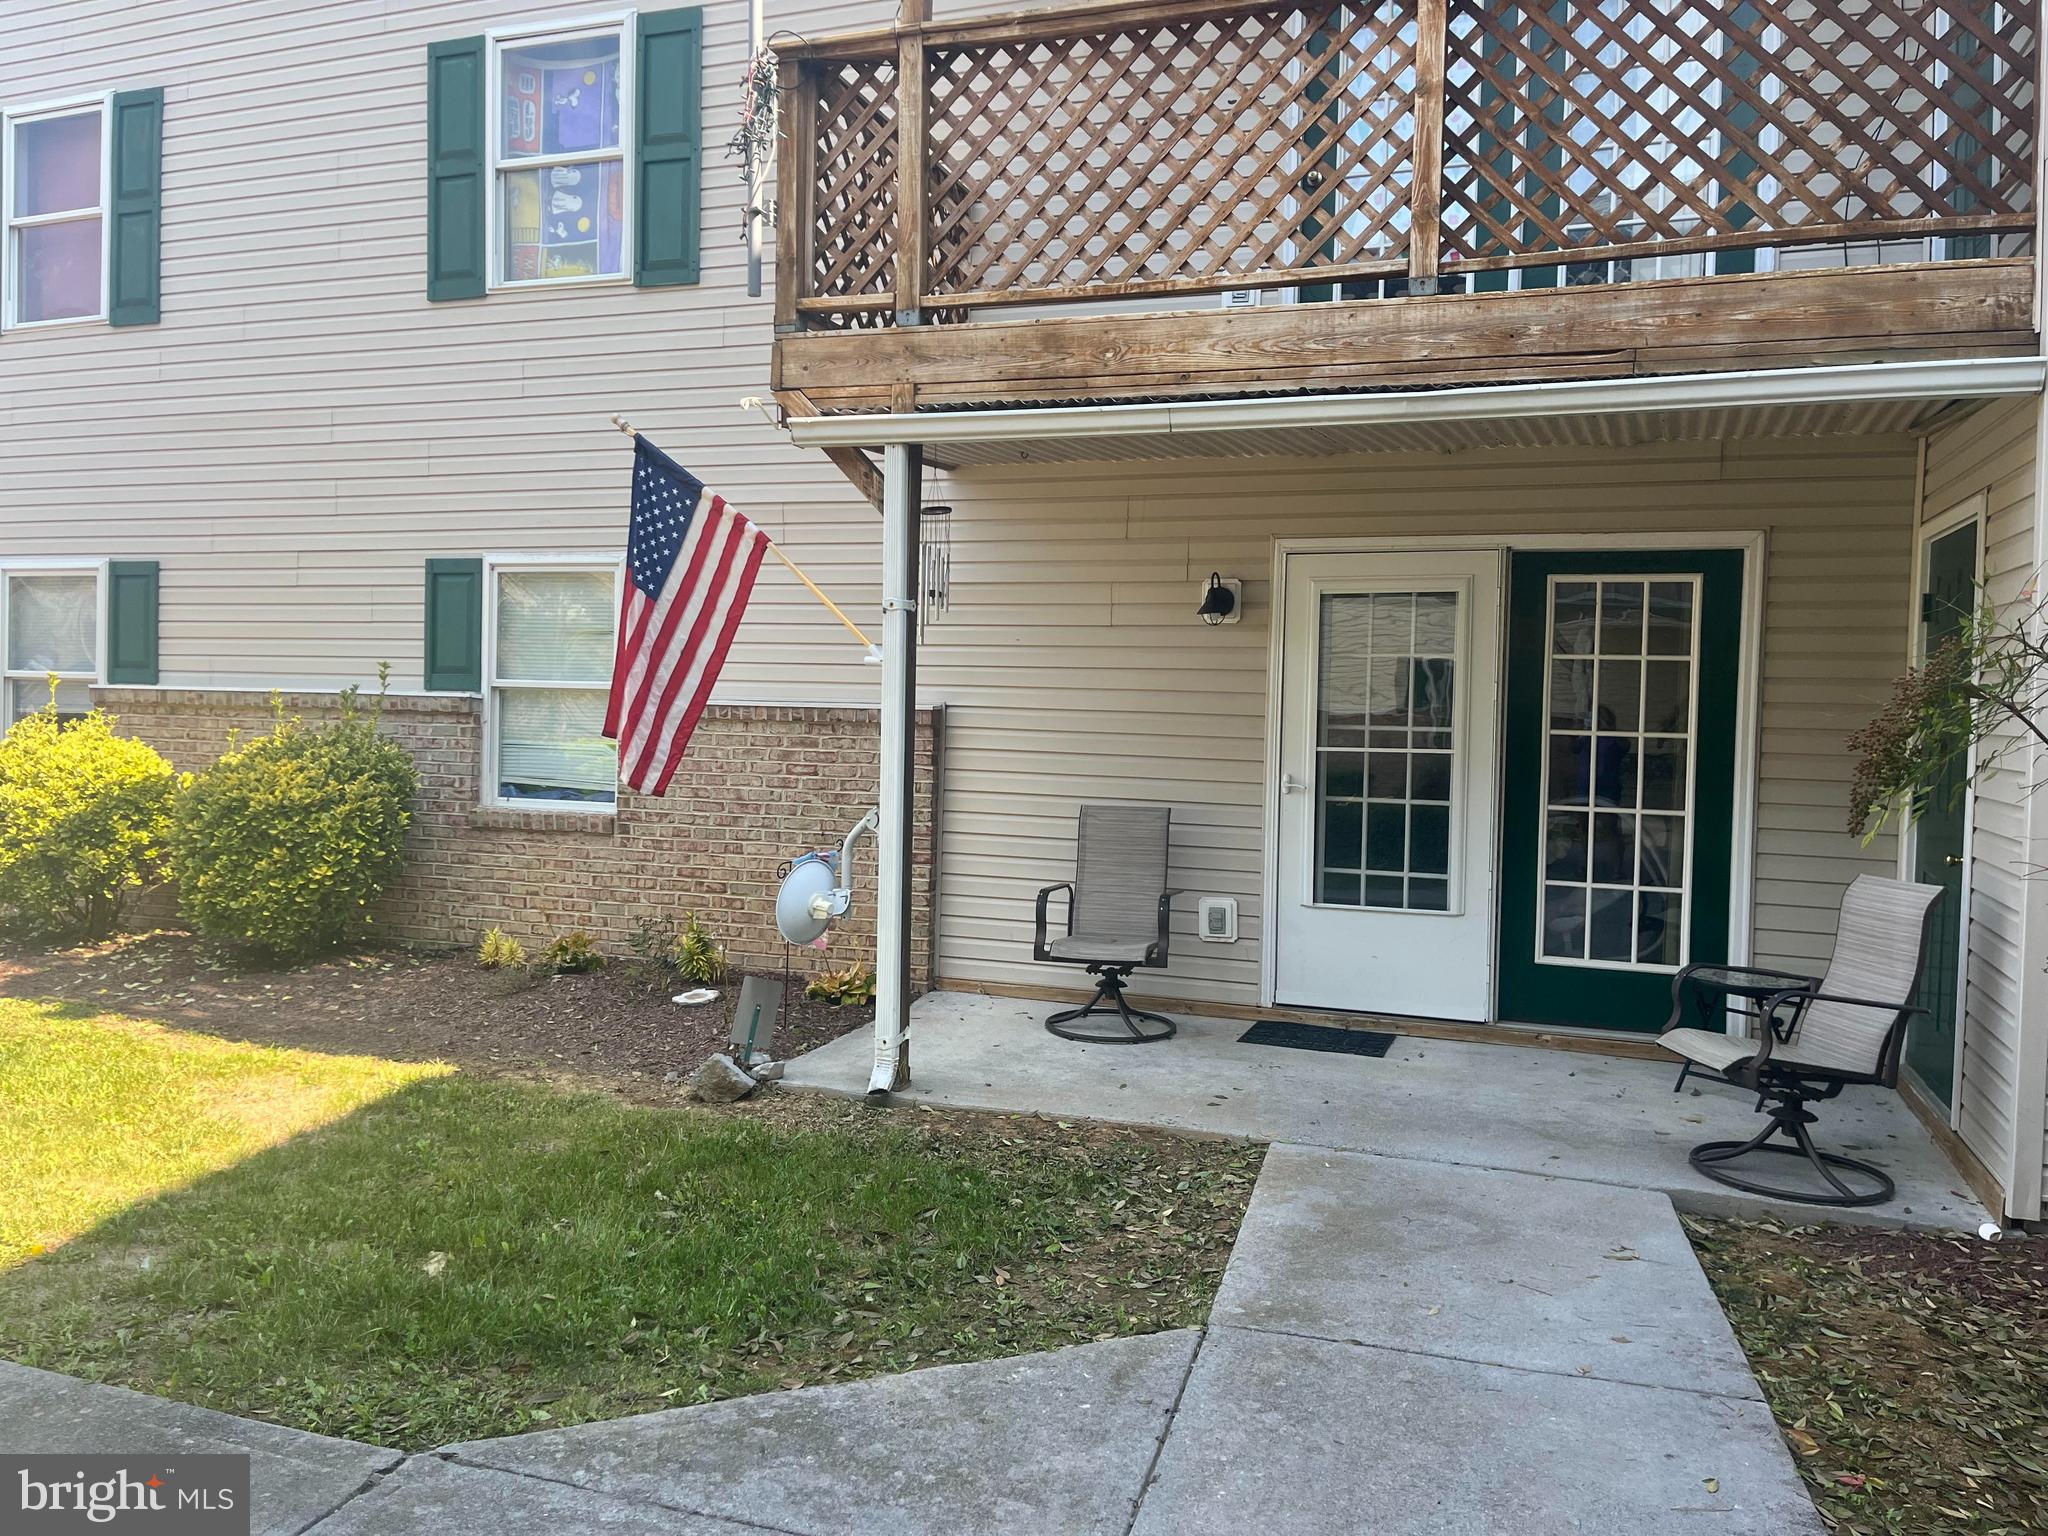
(1163, 153)
(853, 197)
(1572, 126)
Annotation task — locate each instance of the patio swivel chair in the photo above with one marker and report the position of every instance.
(1814, 1037)
(1117, 908)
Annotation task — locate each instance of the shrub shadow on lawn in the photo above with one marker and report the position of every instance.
(466, 1258)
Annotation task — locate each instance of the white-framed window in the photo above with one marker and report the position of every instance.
(52, 621)
(53, 225)
(561, 127)
(550, 626)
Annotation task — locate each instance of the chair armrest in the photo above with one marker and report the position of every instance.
(1038, 950)
(1799, 999)
(1157, 953)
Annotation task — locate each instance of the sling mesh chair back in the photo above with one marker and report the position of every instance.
(1814, 1037)
(1117, 911)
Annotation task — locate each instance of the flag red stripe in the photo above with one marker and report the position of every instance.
(743, 587)
(666, 606)
(683, 598)
(632, 622)
(657, 732)
(672, 656)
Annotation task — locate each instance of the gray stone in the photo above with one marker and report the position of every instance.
(428, 1494)
(1505, 1268)
(721, 1080)
(1604, 1119)
(1054, 1444)
(764, 1070)
(1315, 1438)
(294, 1477)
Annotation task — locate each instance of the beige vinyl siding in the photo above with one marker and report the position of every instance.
(1073, 668)
(304, 429)
(1993, 453)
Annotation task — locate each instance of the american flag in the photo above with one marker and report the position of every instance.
(690, 567)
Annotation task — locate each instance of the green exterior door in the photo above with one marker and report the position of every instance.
(1947, 597)
(1618, 799)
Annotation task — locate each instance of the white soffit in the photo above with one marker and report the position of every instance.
(1785, 402)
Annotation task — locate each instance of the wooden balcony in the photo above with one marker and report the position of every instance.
(1050, 206)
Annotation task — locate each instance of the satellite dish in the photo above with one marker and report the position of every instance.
(803, 907)
(811, 895)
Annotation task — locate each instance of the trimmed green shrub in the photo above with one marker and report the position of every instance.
(83, 819)
(285, 844)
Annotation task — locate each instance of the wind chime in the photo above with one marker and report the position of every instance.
(934, 562)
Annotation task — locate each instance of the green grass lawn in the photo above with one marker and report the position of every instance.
(397, 1254)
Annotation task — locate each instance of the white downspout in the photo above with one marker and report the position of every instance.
(902, 477)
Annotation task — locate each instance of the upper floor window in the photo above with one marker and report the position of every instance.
(49, 626)
(561, 192)
(55, 227)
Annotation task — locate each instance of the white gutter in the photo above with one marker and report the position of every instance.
(1963, 378)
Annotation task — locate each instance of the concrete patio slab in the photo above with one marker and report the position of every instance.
(428, 1494)
(1499, 1268)
(1602, 1119)
(1316, 1438)
(294, 1477)
(1055, 1444)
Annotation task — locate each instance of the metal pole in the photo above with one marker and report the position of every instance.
(902, 483)
(757, 178)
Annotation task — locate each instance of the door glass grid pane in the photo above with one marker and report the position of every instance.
(1617, 762)
(1386, 727)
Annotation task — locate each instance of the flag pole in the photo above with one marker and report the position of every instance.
(795, 570)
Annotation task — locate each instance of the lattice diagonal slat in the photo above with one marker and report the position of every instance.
(1578, 125)
(1169, 152)
(853, 198)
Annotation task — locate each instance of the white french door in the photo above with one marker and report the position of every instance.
(1385, 801)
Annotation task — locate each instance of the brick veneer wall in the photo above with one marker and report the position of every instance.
(760, 783)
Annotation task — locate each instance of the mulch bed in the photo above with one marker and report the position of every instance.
(615, 1028)
(1908, 1370)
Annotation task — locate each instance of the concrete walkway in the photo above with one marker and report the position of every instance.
(1601, 1119)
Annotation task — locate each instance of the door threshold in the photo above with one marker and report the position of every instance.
(1547, 1036)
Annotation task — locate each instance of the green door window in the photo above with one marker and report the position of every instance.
(1619, 794)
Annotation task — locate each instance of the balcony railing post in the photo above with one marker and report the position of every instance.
(796, 120)
(911, 223)
(1425, 188)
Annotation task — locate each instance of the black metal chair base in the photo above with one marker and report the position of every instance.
(1137, 1027)
(1792, 1118)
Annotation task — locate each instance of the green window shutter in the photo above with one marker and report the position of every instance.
(131, 622)
(136, 234)
(455, 626)
(669, 86)
(456, 194)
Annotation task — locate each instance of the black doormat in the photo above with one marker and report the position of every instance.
(1317, 1037)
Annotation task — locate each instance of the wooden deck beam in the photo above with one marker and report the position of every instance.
(1682, 325)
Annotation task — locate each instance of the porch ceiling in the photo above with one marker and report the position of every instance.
(1872, 398)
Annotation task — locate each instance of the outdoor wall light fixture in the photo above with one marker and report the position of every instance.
(1221, 600)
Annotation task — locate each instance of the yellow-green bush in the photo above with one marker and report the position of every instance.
(573, 953)
(83, 818)
(853, 987)
(500, 951)
(698, 956)
(284, 845)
